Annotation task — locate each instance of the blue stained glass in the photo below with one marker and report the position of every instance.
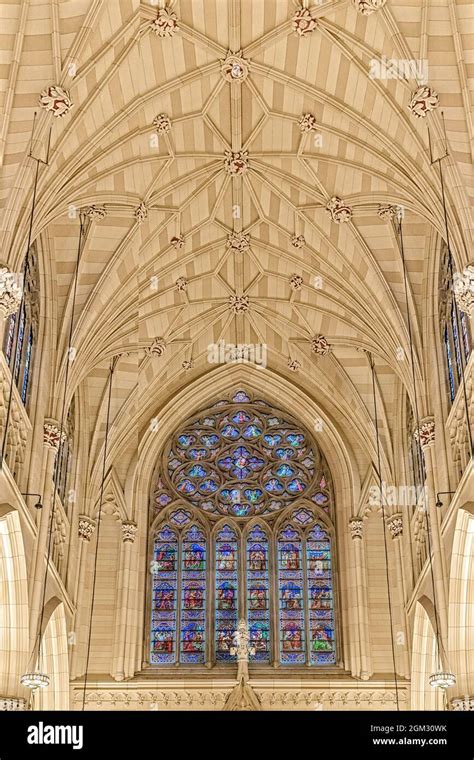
(258, 604)
(197, 471)
(296, 486)
(19, 346)
(253, 495)
(457, 347)
(197, 454)
(285, 453)
(447, 346)
(226, 593)
(26, 371)
(274, 486)
(210, 440)
(290, 598)
(320, 602)
(285, 471)
(193, 597)
(186, 440)
(230, 494)
(252, 431)
(295, 439)
(272, 440)
(240, 510)
(229, 431)
(240, 417)
(180, 517)
(186, 486)
(208, 486)
(164, 597)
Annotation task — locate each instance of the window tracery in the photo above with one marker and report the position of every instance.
(267, 558)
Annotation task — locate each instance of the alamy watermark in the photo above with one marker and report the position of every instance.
(399, 68)
(240, 353)
(398, 496)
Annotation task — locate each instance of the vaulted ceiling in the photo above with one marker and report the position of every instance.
(209, 192)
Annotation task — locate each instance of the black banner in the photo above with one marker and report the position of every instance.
(135, 735)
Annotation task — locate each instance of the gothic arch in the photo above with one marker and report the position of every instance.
(424, 659)
(14, 613)
(461, 602)
(54, 659)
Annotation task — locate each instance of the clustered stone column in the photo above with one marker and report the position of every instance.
(51, 440)
(426, 433)
(395, 527)
(356, 527)
(86, 528)
(121, 666)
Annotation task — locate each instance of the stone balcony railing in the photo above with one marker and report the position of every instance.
(19, 426)
(456, 424)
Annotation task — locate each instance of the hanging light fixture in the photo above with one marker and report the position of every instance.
(35, 680)
(442, 680)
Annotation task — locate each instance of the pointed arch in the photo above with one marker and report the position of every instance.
(14, 612)
(424, 660)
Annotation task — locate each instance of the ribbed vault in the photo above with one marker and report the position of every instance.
(159, 269)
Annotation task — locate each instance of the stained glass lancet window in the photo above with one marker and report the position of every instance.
(258, 600)
(22, 329)
(320, 597)
(226, 592)
(242, 458)
(457, 340)
(193, 597)
(291, 597)
(164, 598)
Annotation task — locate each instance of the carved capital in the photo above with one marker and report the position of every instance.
(356, 527)
(8, 704)
(395, 525)
(11, 289)
(85, 528)
(463, 286)
(129, 530)
(52, 435)
(426, 432)
(465, 703)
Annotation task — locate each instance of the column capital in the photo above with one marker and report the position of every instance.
(463, 286)
(129, 530)
(11, 291)
(395, 525)
(15, 704)
(426, 432)
(356, 527)
(52, 434)
(463, 703)
(85, 528)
